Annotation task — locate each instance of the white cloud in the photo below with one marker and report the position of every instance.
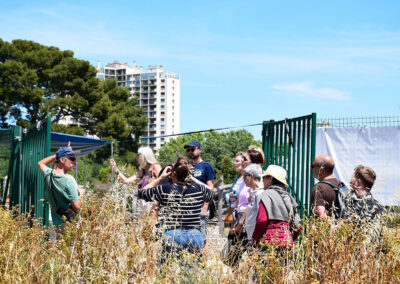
(308, 89)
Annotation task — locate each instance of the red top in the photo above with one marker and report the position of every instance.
(275, 232)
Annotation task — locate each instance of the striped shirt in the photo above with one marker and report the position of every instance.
(180, 205)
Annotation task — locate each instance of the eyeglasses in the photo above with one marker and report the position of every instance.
(72, 159)
(190, 150)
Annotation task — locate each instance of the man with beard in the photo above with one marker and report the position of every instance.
(203, 172)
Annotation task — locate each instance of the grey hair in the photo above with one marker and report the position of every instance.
(255, 170)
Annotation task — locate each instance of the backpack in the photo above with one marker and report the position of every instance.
(341, 192)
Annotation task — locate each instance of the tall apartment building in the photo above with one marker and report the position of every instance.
(158, 93)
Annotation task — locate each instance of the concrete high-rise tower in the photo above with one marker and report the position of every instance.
(158, 93)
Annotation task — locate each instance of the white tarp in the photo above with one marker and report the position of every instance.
(375, 147)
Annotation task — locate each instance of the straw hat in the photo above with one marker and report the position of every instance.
(277, 172)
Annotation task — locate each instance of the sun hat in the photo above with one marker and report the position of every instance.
(277, 172)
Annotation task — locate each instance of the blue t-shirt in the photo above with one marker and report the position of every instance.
(203, 171)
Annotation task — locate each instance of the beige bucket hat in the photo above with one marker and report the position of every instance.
(277, 172)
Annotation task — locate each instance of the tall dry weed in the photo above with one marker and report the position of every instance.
(106, 244)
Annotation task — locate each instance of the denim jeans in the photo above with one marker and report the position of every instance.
(174, 241)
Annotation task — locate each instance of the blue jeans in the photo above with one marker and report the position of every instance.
(177, 240)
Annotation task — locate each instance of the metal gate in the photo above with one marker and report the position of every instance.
(290, 143)
(25, 182)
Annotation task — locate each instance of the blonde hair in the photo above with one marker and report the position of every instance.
(239, 154)
(366, 175)
(146, 157)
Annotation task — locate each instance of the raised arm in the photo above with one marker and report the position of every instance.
(46, 161)
(124, 179)
(166, 173)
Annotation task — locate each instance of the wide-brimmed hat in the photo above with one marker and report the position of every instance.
(277, 172)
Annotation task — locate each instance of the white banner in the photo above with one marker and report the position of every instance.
(374, 147)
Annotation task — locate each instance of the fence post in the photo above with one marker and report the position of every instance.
(220, 203)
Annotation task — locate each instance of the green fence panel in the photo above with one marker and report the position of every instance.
(14, 170)
(25, 185)
(36, 142)
(290, 143)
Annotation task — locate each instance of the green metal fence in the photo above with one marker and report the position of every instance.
(26, 187)
(13, 184)
(290, 143)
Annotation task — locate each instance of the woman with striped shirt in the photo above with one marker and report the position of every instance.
(180, 204)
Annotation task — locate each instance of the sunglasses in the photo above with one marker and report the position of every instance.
(190, 149)
(72, 159)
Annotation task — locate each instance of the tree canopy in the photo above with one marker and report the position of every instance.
(38, 80)
(219, 149)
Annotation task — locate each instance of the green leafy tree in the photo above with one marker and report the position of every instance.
(37, 80)
(219, 149)
(117, 117)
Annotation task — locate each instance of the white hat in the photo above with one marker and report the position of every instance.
(277, 172)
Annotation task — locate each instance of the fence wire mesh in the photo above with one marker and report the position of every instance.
(367, 121)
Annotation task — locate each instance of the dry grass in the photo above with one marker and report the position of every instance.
(104, 245)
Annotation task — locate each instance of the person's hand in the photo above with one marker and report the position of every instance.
(114, 165)
(166, 173)
(69, 145)
(81, 192)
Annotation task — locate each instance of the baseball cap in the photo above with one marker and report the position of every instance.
(193, 143)
(65, 151)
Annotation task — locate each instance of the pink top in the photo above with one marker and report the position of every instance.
(275, 232)
(243, 197)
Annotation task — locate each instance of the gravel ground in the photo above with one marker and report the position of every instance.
(214, 240)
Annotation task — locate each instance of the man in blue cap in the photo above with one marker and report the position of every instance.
(60, 188)
(204, 172)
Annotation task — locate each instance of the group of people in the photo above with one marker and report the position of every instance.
(262, 209)
(357, 205)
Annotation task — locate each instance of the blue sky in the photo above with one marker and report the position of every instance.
(241, 62)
